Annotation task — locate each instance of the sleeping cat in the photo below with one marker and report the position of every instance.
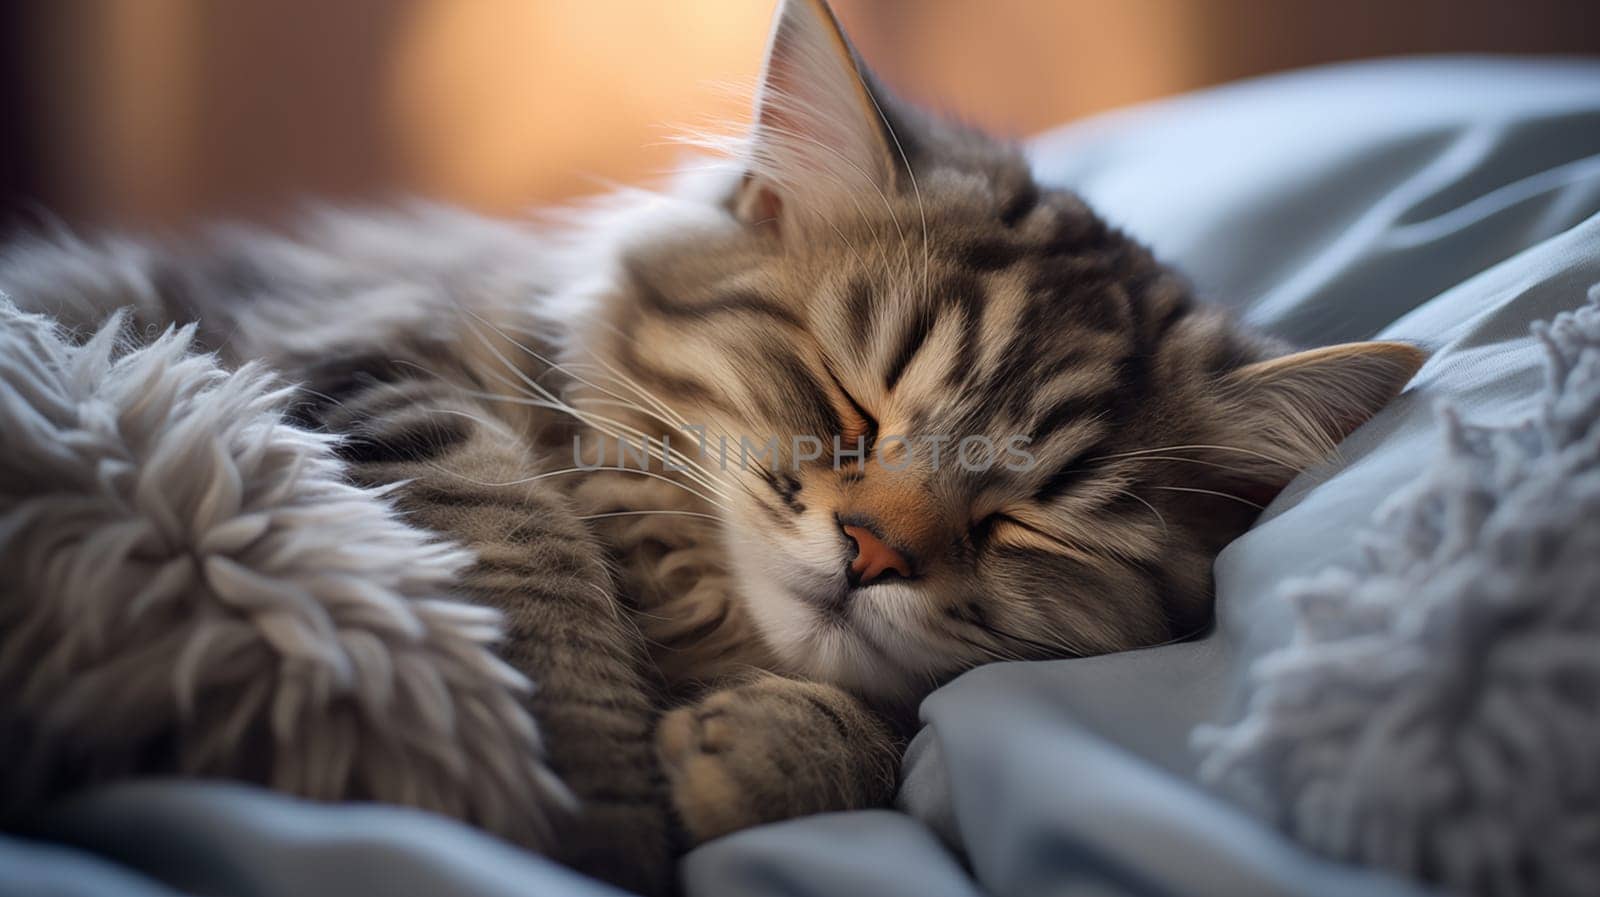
(776, 452)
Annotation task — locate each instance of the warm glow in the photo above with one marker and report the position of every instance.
(166, 112)
(499, 101)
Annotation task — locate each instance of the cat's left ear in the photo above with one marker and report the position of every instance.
(1277, 417)
(820, 137)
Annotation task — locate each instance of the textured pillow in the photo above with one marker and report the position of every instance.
(186, 573)
(1437, 711)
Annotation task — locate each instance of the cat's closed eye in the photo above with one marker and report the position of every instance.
(857, 425)
(1010, 528)
(983, 531)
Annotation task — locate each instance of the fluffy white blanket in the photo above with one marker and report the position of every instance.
(1436, 711)
(191, 586)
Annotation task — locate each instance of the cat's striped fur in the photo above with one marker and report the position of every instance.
(868, 272)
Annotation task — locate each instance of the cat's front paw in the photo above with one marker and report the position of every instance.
(714, 779)
(769, 750)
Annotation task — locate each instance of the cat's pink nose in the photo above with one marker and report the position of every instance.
(874, 557)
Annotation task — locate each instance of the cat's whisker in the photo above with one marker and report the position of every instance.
(922, 211)
(1182, 460)
(1199, 446)
(460, 389)
(990, 652)
(672, 460)
(582, 401)
(581, 470)
(669, 414)
(683, 423)
(543, 336)
(665, 412)
(585, 401)
(682, 460)
(662, 410)
(666, 512)
(1060, 646)
(535, 401)
(541, 396)
(478, 419)
(1131, 494)
(331, 401)
(601, 424)
(534, 389)
(848, 245)
(1243, 501)
(650, 443)
(998, 649)
(613, 403)
(568, 369)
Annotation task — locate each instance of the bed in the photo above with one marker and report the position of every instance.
(1449, 202)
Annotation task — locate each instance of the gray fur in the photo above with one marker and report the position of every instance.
(856, 264)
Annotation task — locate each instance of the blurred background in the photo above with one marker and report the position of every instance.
(158, 113)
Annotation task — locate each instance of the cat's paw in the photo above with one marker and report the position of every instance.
(769, 750)
(708, 751)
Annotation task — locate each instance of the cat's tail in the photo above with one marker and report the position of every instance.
(192, 586)
(80, 282)
(252, 293)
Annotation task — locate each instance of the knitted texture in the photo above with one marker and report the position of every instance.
(192, 586)
(1437, 711)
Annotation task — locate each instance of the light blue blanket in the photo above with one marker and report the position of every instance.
(1445, 202)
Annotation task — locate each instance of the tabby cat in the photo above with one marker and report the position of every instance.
(904, 411)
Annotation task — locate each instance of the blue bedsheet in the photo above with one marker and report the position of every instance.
(1449, 202)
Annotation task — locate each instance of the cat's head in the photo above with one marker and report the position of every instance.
(1058, 439)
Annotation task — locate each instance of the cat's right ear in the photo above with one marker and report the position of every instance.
(820, 136)
(1286, 414)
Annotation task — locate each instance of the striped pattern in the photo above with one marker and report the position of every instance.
(1055, 328)
(542, 568)
(950, 299)
(732, 762)
(870, 273)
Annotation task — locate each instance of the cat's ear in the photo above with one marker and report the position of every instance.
(1285, 414)
(820, 136)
